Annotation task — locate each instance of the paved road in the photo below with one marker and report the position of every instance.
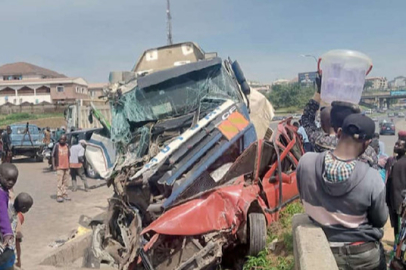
(48, 220)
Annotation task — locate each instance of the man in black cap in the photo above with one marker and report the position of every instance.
(346, 197)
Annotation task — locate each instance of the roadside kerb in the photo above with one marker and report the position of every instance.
(70, 251)
(310, 246)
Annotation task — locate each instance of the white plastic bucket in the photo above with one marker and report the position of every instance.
(344, 73)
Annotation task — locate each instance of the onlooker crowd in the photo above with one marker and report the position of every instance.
(349, 185)
(11, 217)
(68, 163)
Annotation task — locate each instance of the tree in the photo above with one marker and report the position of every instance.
(291, 95)
(368, 84)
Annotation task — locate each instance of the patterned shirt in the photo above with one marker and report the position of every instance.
(317, 137)
(337, 170)
(323, 142)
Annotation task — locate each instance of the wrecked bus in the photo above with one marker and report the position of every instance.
(180, 119)
(223, 225)
(217, 226)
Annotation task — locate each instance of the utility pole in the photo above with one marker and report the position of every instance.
(169, 22)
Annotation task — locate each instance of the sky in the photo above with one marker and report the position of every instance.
(90, 38)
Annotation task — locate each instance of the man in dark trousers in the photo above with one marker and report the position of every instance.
(346, 197)
(396, 170)
(60, 161)
(7, 154)
(76, 160)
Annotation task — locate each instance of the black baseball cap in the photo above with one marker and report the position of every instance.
(359, 127)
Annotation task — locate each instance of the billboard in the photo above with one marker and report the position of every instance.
(398, 93)
(307, 78)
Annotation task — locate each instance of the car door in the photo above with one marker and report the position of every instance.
(286, 142)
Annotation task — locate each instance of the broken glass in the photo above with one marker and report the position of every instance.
(202, 90)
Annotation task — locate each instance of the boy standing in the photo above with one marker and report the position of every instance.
(60, 161)
(21, 205)
(8, 178)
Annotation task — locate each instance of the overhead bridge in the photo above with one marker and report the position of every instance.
(379, 98)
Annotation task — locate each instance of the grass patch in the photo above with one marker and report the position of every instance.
(281, 258)
(24, 117)
(292, 109)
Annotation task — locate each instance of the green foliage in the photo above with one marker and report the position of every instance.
(288, 241)
(261, 262)
(287, 110)
(287, 213)
(23, 117)
(291, 95)
(287, 263)
(257, 262)
(368, 85)
(281, 230)
(271, 236)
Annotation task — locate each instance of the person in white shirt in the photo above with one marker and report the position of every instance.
(76, 160)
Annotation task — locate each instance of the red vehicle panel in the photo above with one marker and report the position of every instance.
(266, 171)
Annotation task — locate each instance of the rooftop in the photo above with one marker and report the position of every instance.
(77, 80)
(375, 78)
(23, 68)
(97, 85)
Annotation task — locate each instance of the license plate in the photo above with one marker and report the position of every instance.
(387, 128)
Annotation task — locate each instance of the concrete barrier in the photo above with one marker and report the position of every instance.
(70, 251)
(310, 246)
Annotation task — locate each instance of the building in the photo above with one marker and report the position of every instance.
(261, 87)
(23, 82)
(378, 83)
(398, 83)
(281, 82)
(307, 78)
(96, 90)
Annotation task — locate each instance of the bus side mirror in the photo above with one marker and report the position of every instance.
(239, 75)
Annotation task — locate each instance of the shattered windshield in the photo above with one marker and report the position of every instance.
(204, 89)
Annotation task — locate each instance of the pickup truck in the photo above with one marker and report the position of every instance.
(86, 134)
(80, 115)
(25, 143)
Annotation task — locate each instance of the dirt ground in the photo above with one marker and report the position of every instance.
(53, 122)
(49, 221)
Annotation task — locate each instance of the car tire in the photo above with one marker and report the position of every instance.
(39, 158)
(257, 233)
(90, 172)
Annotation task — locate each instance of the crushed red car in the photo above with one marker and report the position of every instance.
(199, 232)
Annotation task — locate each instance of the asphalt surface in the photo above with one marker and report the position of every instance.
(49, 221)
